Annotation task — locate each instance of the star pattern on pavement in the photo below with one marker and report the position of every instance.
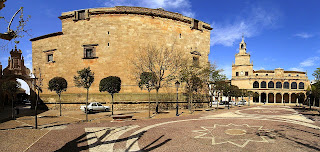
(238, 135)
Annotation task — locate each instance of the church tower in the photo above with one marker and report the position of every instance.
(242, 67)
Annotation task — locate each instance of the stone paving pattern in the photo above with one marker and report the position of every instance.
(254, 128)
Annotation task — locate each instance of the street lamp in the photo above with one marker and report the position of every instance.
(177, 86)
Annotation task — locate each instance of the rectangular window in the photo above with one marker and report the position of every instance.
(50, 57)
(196, 24)
(247, 73)
(196, 61)
(81, 15)
(237, 73)
(89, 51)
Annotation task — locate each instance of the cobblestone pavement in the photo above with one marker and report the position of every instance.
(254, 128)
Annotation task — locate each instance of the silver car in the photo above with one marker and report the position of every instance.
(94, 107)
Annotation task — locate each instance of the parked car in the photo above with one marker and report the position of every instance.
(94, 107)
(215, 102)
(232, 103)
(223, 103)
(243, 102)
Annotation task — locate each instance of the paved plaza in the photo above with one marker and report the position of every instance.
(247, 128)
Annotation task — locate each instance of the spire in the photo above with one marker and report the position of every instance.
(242, 46)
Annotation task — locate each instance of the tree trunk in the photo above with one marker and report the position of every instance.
(112, 104)
(60, 102)
(87, 105)
(191, 98)
(12, 108)
(157, 101)
(36, 111)
(149, 104)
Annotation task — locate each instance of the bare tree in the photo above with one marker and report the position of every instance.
(163, 61)
(196, 79)
(14, 33)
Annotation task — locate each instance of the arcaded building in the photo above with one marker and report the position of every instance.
(105, 39)
(270, 86)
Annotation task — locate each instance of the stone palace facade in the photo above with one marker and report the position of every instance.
(105, 39)
(270, 86)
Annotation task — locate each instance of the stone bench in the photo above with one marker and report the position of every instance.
(121, 117)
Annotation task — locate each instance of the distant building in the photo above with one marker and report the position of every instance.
(270, 86)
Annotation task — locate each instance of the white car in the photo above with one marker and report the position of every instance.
(243, 102)
(95, 106)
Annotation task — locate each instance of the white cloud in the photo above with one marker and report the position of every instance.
(303, 35)
(250, 25)
(297, 69)
(309, 62)
(181, 6)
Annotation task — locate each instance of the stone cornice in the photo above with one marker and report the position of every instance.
(46, 36)
(138, 10)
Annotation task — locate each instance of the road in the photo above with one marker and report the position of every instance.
(254, 128)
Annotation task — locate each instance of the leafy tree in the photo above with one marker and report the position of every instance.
(316, 74)
(147, 80)
(111, 84)
(163, 61)
(195, 79)
(58, 84)
(84, 79)
(2, 5)
(11, 87)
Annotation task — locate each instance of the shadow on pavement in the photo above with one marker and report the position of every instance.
(73, 145)
(303, 142)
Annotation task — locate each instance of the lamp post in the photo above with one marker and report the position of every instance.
(37, 84)
(309, 94)
(177, 107)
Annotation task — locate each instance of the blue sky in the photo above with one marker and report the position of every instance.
(278, 33)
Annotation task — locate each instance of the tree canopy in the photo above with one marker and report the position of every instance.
(148, 80)
(58, 84)
(111, 84)
(11, 86)
(84, 78)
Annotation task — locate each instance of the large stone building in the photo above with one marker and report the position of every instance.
(271, 86)
(106, 39)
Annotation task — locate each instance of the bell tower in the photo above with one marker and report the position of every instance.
(242, 69)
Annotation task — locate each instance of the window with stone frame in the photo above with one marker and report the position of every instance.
(286, 85)
(256, 84)
(195, 24)
(81, 15)
(270, 84)
(196, 61)
(294, 85)
(278, 85)
(89, 51)
(263, 84)
(195, 58)
(301, 85)
(246, 73)
(50, 57)
(237, 73)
